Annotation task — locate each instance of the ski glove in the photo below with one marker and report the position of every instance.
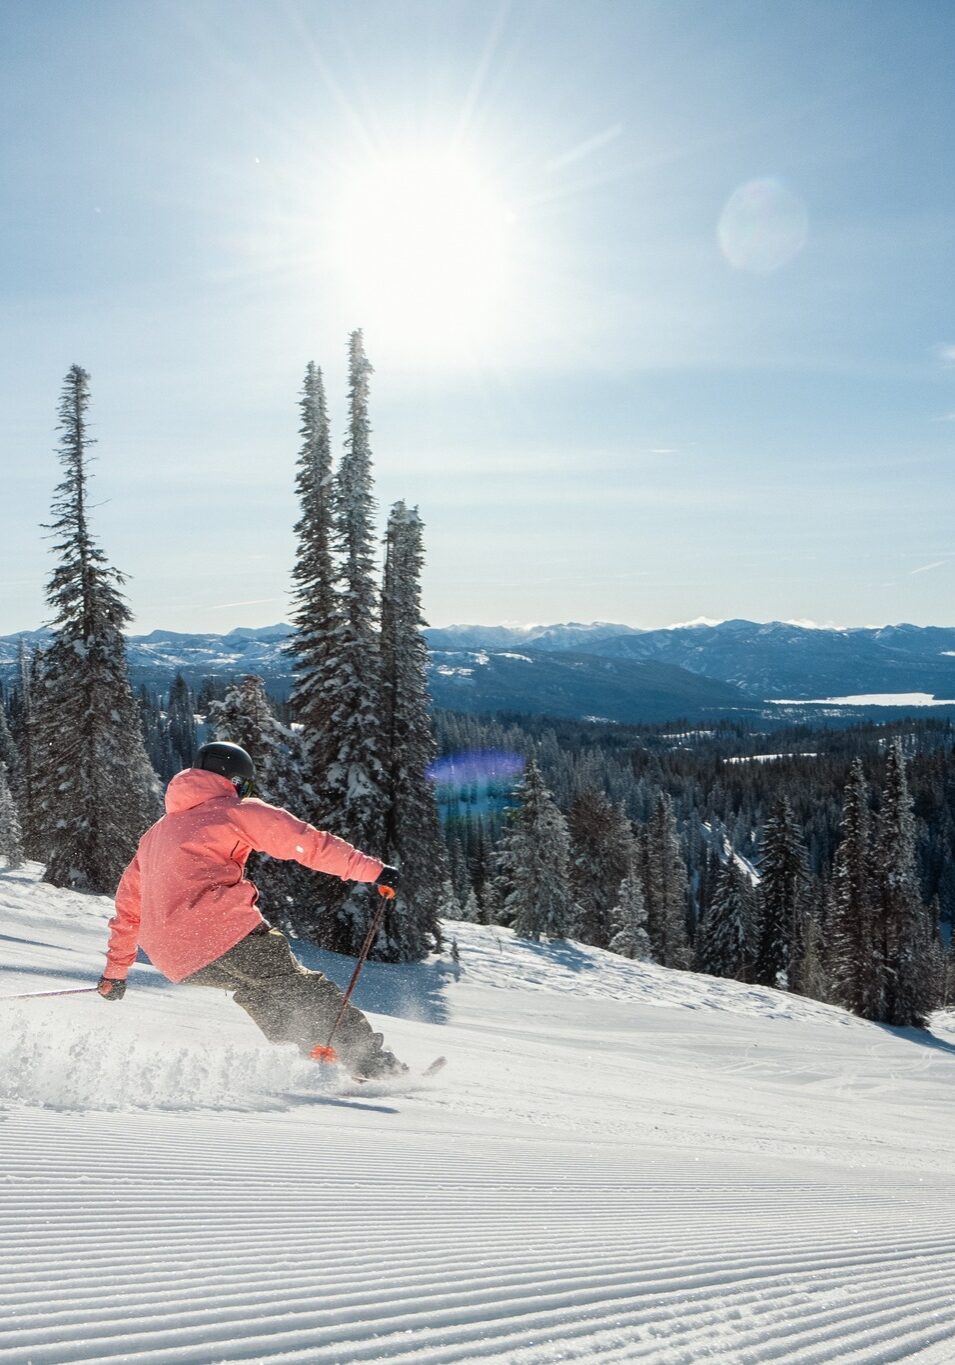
(387, 882)
(111, 989)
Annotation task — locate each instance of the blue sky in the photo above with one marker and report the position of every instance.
(660, 296)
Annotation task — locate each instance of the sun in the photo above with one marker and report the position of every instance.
(423, 253)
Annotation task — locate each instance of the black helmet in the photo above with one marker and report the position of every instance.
(228, 760)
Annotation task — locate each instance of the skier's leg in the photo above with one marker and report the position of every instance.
(293, 1005)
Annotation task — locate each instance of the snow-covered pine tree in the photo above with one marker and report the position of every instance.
(24, 734)
(937, 963)
(808, 969)
(854, 955)
(472, 908)
(948, 986)
(155, 734)
(413, 837)
(478, 853)
(96, 789)
(665, 886)
(9, 755)
(708, 874)
(317, 616)
(352, 797)
(538, 851)
(600, 852)
(245, 717)
(457, 862)
(781, 898)
(449, 907)
(11, 841)
(210, 690)
(11, 834)
(629, 918)
(181, 722)
(453, 909)
(902, 920)
(500, 881)
(724, 936)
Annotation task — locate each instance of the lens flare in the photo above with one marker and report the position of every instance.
(763, 226)
(479, 779)
(476, 765)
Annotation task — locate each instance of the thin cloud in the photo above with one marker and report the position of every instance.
(252, 602)
(924, 568)
(584, 149)
(946, 354)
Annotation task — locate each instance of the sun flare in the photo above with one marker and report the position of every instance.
(422, 253)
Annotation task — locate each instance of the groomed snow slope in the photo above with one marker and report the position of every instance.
(619, 1163)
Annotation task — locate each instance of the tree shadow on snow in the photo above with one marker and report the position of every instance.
(564, 953)
(406, 990)
(921, 1036)
(18, 878)
(31, 942)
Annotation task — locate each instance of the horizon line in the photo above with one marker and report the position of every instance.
(626, 627)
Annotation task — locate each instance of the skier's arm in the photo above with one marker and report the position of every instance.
(277, 832)
(124, 926)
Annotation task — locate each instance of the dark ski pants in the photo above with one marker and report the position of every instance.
(291, 1004)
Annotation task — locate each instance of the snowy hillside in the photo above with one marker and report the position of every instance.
(619, 1163)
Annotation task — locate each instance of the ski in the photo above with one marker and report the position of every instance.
(352, 1085)
(432, 1069)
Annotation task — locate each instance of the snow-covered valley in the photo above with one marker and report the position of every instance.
(620, 1163)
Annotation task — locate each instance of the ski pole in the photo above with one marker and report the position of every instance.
(327, 1053)
(34, 995)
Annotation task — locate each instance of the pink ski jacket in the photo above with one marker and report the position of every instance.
(184, 898)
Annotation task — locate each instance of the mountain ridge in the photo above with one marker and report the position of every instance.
(601, 669)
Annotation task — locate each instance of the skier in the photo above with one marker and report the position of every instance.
(185, 899)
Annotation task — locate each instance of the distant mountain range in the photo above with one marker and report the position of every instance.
(771, 660)
(606, 671)
(764, 663)
(155, 658)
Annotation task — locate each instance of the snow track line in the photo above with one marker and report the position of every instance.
(520, 1330)
(929, 1289)
(660, 1265)
(651, 1269)
(656, 1266)
(568, 1300)
(466, 1264)
(627, 1279)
